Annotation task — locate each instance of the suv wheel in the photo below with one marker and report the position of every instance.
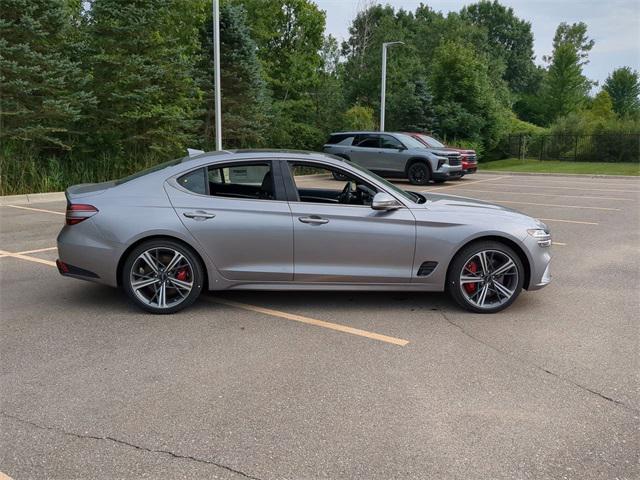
(418, 173)
(162, 276)
(485, 277)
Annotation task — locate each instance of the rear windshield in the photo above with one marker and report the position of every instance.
(147, 171)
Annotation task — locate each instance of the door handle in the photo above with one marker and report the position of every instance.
(199, 215)
(314, 220)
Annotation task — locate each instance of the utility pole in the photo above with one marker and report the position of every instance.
(383, 83)
(216, 76)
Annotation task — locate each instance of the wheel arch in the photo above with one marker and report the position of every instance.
(130, 248)
(506, 241)
(413, 160)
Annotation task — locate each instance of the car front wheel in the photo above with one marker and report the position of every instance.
(162, 276)
(485, 277)
(418, 173)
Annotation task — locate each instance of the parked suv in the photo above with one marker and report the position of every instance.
(395, 155)
(468, 157)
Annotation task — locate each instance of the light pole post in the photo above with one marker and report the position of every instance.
(216, 75)
(383, 82)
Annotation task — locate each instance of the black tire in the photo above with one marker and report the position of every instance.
(460, 261)
(418, 173)
(192, 265)
(339, 177)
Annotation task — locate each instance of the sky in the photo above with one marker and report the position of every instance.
(613, 24)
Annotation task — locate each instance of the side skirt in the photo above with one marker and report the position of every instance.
(363, 287)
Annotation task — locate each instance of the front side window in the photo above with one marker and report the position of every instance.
(321, 184)
(390, 142)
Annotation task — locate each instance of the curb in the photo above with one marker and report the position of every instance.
(568, 175)
(30, 198)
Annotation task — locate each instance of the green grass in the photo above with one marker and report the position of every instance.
(556, 166)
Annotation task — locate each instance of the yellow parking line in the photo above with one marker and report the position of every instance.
(35, 209)
(311, 321)
(4, 476)
(559, 243)
(502, 192)
(461, 184)
(544, 187)
(253, 308)
(553, 205)
(568, 221)
(38, 250)
(27, 258)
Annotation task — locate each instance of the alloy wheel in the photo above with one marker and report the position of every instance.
(489, 279)
(161, 277)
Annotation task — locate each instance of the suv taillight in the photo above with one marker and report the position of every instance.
(78, 212)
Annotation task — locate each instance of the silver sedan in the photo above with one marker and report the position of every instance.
(276, 220)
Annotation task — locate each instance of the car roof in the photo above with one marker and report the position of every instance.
(364, 132)
(266, 153)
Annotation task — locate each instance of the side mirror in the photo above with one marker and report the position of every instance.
(384, 201)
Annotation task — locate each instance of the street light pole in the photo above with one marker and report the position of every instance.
(383, 83)
(216, 75)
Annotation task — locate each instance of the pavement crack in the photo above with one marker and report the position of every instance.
(538, 367)
(118, 441)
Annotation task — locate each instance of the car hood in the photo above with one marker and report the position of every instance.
(466, 151)
(468, 206)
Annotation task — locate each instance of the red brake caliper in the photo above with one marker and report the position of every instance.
(473, 268)
(182, 275)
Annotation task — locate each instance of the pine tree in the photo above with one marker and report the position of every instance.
(244, 100)
(145, 56)
(43, 89)
(623, 85)
(565, 88)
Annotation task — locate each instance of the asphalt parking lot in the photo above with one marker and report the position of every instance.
(267, 385)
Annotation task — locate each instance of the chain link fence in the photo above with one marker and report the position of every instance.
(619, 147)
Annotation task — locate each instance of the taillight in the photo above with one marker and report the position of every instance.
(78, 212)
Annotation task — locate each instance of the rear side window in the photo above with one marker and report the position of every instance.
(368, 141)
(340, 138)
(194, 181)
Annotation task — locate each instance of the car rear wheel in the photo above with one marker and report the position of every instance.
(418, 173)
(162, 276)
(485, 277)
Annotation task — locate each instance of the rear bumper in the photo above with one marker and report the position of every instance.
(86, 255)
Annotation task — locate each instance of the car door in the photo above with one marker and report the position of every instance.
(366, 151)
(393, 154)
(238, 213)
(338, 243)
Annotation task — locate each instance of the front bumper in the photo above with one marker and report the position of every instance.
(540, 268)
(469, 167)
(447, 171)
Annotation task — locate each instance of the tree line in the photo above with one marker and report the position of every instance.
(101, 87)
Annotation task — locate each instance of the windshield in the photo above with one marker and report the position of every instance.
(413, 197)
(408, 141)
(432, 141)
(149, 170)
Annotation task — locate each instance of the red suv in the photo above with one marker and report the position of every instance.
(468, 157)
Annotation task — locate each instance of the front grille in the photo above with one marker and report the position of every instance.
(471, 158)
(427, 268)
(454, 160)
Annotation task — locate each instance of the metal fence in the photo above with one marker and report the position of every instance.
(619, 147)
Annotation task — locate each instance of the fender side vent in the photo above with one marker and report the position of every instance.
(427, 268)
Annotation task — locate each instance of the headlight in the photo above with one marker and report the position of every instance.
(441, 160)
(542, 235)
